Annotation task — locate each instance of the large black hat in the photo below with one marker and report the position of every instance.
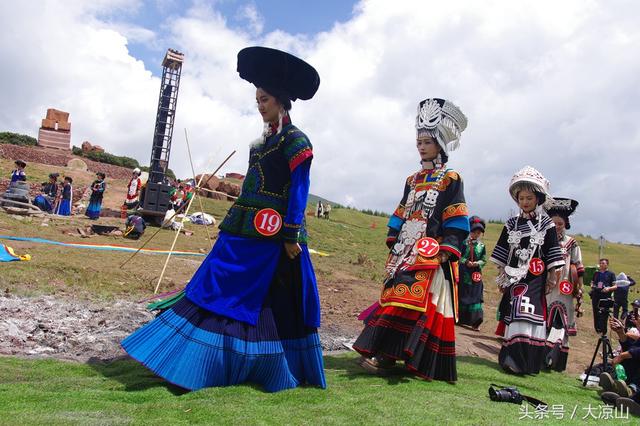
(563, 207)
(274, 69)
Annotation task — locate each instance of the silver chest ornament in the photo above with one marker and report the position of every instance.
(514, 274)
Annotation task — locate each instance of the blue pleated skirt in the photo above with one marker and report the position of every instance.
(194, 348)
(94, 208)
(65, 208)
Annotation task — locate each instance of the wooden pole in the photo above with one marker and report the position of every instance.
(175, 239)
(196, 189)
(174, 215)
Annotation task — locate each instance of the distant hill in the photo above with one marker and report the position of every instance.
(313, 199)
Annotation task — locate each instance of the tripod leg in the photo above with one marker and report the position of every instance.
(588, 372)
(607, 352)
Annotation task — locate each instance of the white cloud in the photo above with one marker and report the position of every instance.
(255, 21)
(543, 83)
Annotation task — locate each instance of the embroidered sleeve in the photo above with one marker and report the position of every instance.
(298, 149)
(455, 216)
(466, 252)
(500, 253)
(551, 251)
(298, 194)
(576, 258)
(397, 218)
(482, 258)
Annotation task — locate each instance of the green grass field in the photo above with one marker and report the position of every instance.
(122, 392)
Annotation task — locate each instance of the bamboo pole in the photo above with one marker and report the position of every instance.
(175, 239)
(196, 189)
(174, 215)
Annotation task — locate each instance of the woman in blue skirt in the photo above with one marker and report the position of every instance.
(95, 200)
(66, 197)
(251, 311)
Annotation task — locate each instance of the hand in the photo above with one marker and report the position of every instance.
(292, 249)
(615, 324)
(617, 360)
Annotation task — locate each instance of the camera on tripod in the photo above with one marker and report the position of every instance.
(606, 304)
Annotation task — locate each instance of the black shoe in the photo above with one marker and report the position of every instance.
(609, 398)
(625, 404)
(607, 383)
(622, 389)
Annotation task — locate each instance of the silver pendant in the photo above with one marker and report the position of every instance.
(514, 237)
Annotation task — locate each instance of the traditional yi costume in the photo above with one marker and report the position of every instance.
(18, 175)
(95, 200)
(563, 299)
(46, 200)
(133, 190)
(66, 197)
(471, 288)
(526, 254)
(250, 313)
(415, 319)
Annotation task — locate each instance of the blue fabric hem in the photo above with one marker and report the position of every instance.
(193, 358)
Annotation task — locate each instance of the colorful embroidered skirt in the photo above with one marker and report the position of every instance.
(523, 348)
(194, 348)
(523, 310)
(556, 350)
(424, 340)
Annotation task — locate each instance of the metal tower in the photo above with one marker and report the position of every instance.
(155, 201)
(163, 133)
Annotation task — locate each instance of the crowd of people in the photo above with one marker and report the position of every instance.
(56, 195)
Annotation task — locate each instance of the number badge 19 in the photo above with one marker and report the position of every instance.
(267, 222)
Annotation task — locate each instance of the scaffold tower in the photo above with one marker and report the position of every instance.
(165, 117)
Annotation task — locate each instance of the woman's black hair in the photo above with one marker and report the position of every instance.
(281, 96)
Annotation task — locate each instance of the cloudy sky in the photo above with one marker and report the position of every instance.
(550, 84)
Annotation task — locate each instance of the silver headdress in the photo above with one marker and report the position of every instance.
(442, 120)
(529, 175)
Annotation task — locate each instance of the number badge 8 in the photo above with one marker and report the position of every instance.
(565, 287)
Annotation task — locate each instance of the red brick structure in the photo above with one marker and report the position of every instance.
(55, 131)
(234, 176)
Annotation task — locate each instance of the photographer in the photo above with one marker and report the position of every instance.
(629, 322)
(629, 357)
(601, 288)
(624, 393)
